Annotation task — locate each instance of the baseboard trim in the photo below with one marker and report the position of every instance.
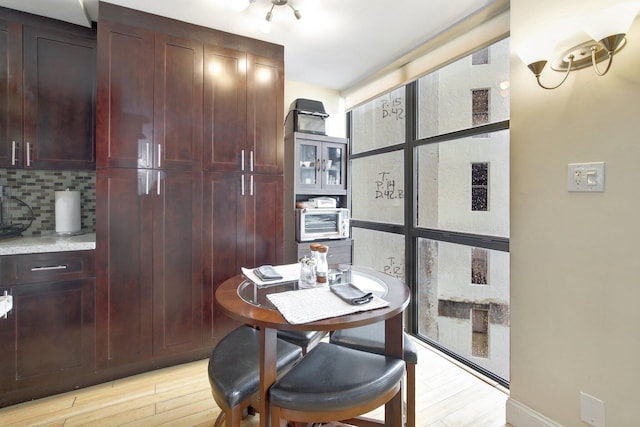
(520, 415)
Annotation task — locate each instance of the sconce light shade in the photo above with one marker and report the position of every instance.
(607, 28)
(614, 20)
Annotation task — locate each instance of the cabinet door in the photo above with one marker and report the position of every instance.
(265, 112)
(54, 332)
(10, 94)
(125, 96)
(178, 104)
(59, 100)
(49, 334)
(308, 164)
(223, 245)
(334, 166)
(264, 220)
(124, 266)
(177, 261)
(225, 110)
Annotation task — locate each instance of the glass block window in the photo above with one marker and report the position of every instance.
(480, 186)
(481, 57)
(479, 107)
(479, 266)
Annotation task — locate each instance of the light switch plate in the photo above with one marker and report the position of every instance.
(587, 177)
(592, 410)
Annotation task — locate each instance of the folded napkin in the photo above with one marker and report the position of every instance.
(267, 273)
(351, 293)
(288, 273)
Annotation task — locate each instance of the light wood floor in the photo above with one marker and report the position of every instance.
(447, 396)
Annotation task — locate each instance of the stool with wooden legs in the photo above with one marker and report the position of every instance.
(334, 383)
(371, 338)
(234, 372)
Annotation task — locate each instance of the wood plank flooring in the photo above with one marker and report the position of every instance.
(447, 396)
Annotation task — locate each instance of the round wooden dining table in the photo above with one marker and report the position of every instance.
(246, 302)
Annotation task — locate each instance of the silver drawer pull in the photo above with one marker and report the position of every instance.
(50, 267)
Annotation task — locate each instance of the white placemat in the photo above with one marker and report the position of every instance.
(309, 305)
(289, 273)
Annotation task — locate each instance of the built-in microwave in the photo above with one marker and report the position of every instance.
(322, 223)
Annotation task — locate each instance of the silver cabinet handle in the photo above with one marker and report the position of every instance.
(28, 154)
(50, 267)
(159, 155)
(14, 159)
(251, 161)
(242, 160)
(146, 187)
(251, 186)
(242, 185)
(158, 186)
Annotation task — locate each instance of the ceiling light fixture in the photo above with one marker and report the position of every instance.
(607, 29)
(265, 25)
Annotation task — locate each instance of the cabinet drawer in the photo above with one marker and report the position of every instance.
(34, 268)
(339, 251)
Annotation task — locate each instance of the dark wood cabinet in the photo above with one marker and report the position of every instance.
(177, 94)
(225, 110)
(124, 133)
(151, 87)
(10, 89)
(149, 268)
(48, 337)
(149, 195)
(177, 263)
(123, 265)
(243, 104)
(48, 90)
(242, 228)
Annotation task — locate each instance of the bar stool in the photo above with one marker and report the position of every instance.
(334, 383)
(234, 372)
(371, 338)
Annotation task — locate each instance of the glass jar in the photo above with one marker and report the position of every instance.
(322, 267)
(307, 273)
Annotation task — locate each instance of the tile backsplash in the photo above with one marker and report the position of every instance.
(37, 189)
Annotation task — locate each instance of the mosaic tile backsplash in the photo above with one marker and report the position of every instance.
(37, 189)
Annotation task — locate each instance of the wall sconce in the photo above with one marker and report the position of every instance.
(607, 29)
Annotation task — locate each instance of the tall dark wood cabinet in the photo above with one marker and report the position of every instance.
(189, 182)
(47, 92)
(243, 162)
(149, 195)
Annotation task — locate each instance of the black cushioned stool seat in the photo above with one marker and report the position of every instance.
(234, 371)
(304, 339)
(371, 338)
(334, 383)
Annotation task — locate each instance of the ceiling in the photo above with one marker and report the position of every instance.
(336, 43)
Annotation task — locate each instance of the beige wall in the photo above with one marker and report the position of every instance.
(335, 124)
(575, 287)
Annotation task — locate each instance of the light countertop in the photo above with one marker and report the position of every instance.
(32, 245)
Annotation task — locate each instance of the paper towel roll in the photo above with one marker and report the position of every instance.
(67, 212)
